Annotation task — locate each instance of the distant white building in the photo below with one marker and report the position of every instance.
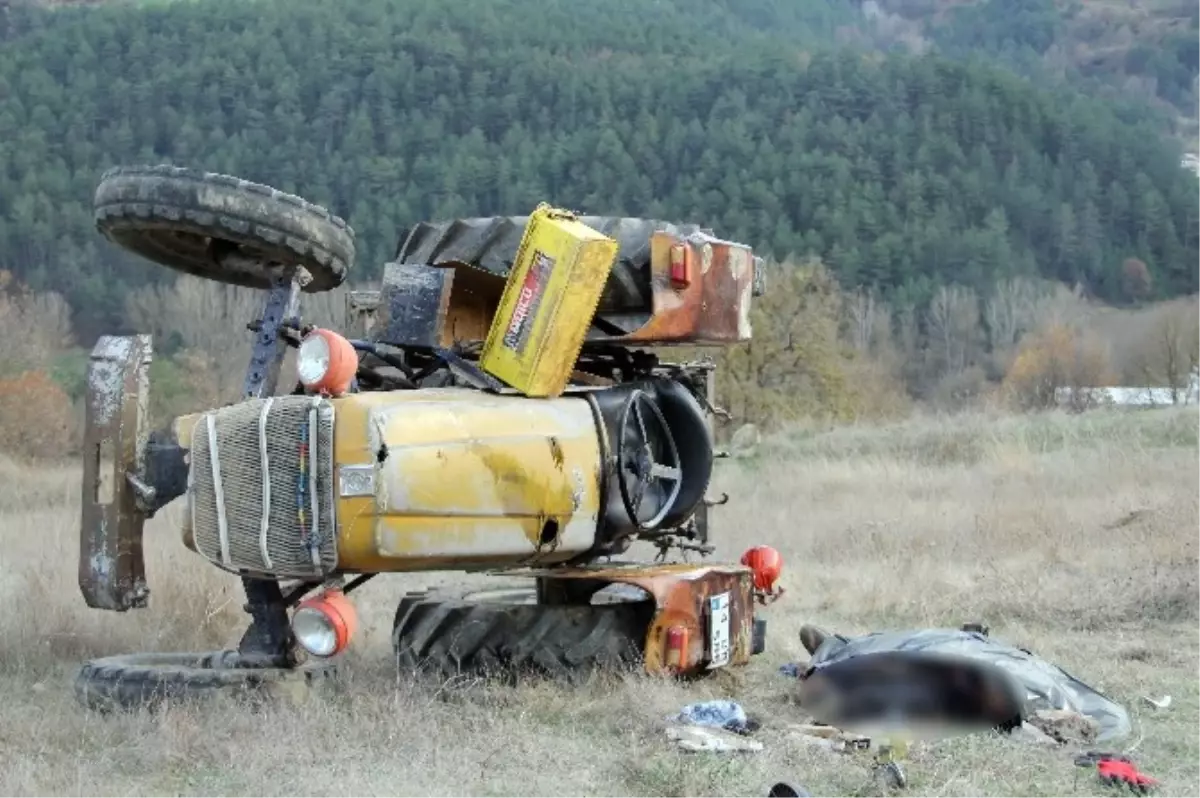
(1191, 162)
(1131, 396)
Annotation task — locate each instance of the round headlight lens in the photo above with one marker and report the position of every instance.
(315, 631)
(312, 359)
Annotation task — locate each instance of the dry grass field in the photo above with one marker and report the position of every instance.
(1076, 537)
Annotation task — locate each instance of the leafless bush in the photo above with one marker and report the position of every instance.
(34, 327)
(953, 319)
(1156, 345)
(1012, 310)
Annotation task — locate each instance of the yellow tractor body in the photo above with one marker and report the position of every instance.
(492, 416)
(437, 479)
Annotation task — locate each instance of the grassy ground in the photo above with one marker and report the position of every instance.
(1075, 537)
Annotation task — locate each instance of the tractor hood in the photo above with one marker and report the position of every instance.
(459, 478)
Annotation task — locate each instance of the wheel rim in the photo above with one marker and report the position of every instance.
(640, 461)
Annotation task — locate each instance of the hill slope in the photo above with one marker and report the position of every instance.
(903, 172)
(1138, 50)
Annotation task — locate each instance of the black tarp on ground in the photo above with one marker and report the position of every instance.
(1046, 685)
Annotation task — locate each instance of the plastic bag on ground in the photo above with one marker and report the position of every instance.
(716, 714)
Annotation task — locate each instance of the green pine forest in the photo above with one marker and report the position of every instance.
(902, 172)
(1109, 47)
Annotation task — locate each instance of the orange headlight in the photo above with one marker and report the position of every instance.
(325, 623)
(326, 362)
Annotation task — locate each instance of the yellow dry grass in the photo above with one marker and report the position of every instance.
(1074, 536)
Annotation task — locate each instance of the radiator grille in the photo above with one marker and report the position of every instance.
(235, 487)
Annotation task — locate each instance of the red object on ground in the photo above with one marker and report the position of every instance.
(1114, 771)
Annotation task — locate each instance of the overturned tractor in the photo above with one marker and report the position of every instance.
(491, 409)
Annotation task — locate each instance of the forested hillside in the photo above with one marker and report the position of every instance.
(1119, 49)
(900, 172)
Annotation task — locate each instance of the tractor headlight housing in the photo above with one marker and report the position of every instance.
(324, 624)
(326, 363)
(312, 359)
(314, 631)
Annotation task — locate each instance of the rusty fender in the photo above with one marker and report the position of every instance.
(681, 593)
(714, 307)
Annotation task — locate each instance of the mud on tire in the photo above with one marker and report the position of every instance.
(449, 634)
(221, 227)
(490, 243)
(133, 681)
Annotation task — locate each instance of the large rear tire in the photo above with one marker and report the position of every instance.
(508, 636)
(221, 227)
(134, 681)
(490, 243)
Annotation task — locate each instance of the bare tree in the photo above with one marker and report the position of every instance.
(1060, 305)
(860, 317)
(881, 331)
(907, 334)
(1011, 309)
(1173, 352)
(954, 325)
(34, 327)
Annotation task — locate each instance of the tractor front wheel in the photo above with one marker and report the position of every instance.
(220, 227)
(506, 634)
(133, 681)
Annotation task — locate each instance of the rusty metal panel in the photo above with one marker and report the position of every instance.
(112, 568)
(687, 605)
(714, 308)
(681, 592)
(413, 302)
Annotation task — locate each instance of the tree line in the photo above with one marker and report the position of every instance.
(902, 174)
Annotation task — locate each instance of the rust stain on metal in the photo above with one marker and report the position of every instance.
(714, 308)
(470, 480)
(519, 489)
(556, 452)
(591, 379)
(686, 605)
(681, 592)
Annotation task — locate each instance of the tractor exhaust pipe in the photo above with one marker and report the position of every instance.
(116, 497)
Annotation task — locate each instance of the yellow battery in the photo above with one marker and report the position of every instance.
(548, 303)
